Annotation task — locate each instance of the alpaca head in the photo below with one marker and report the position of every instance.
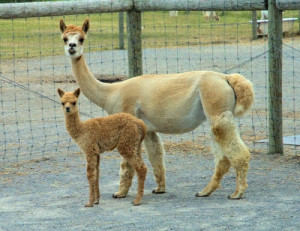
(73, 37)
(69, 100)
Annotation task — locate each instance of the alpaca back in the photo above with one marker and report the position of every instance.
(106, 131)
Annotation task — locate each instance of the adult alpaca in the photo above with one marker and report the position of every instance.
(167, 103)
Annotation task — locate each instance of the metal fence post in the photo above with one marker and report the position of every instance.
(134, 22)
(275, 78)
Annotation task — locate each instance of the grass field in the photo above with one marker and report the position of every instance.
(37, 37)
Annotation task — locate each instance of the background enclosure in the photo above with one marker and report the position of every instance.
(42, 172)
(33, 65)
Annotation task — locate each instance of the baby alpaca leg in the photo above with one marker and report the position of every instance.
(126, 176)
(222, 167)
(141, 169)
(92, 177)
(97, 191)
(155, 151)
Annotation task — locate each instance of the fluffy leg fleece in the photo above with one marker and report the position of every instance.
(92, 177)
(229, 141)
(126, 176)
(222, 167)
(241, 166)
(97, 191)
(130, 149)
(141, 171)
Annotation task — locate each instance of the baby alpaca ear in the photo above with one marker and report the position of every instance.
(60, 92)
(77, 92)
(62, 26)
(86, 25)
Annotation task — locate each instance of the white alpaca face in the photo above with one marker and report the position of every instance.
(73, 37)
(73, 45)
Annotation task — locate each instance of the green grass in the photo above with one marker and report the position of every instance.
(36, 37)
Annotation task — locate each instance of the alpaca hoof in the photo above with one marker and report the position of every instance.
(158, 191)
(96, 201)
(136, 202)
(201, 194)
(89, 205)
(234, 197)
(116, 195)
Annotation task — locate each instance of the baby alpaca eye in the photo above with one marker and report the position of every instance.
(63, 104)
(81, 40)
(65, 40)
(74, 103)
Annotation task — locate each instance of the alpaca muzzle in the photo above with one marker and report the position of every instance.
(72, 51)
(68, 109)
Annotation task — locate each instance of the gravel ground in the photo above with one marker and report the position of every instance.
(42, 174)
(50, 193)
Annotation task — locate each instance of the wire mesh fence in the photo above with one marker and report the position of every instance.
(33, 65)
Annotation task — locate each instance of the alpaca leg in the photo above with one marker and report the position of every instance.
(91, 176)
(241, 166)
(156, 154)
(222, 167)
(141, 169)
(97, 191)
(126, 176)
(231, 145)
(236, 151)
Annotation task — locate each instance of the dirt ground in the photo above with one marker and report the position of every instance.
(49, 193)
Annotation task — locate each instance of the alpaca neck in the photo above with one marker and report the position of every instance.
(73, 124)
(94, 90)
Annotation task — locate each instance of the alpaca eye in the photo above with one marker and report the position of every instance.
(65, 40)
(74, 103)
(81, 40)
(63, 104)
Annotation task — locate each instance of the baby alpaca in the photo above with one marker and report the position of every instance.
(95, 136)
(235, 153)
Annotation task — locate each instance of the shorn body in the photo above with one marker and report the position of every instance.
(95, 136)
(167, 103)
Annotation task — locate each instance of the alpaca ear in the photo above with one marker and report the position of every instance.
(86, 26)
(60, 92)
(77, 92)
(62, 26)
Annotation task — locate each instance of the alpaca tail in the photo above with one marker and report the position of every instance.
(244, 93)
